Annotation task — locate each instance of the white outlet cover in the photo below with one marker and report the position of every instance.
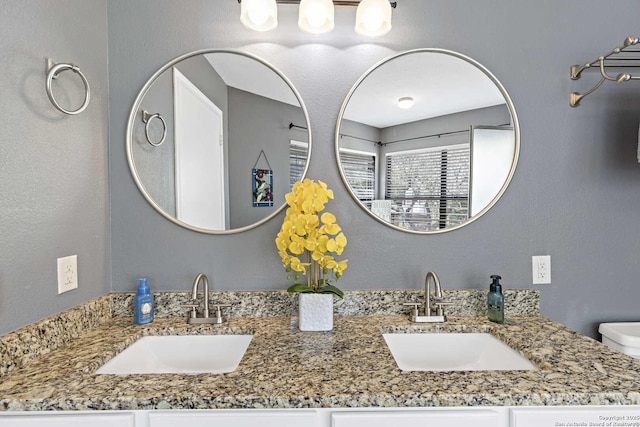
(67, 273)
(541, 269)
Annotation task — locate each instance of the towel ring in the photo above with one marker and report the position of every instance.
(146, 118)
(53, 71)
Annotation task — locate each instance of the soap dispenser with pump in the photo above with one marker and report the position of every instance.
(143, 303)
(495, 301)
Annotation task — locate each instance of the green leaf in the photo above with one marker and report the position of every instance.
(330, 290)
(299, 287)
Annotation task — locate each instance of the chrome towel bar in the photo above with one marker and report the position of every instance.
(612, 60)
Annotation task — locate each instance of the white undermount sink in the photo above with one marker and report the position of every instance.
(454, 352)
(180, 354)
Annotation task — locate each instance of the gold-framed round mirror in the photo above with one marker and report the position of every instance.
(216, 138)
(427, 141)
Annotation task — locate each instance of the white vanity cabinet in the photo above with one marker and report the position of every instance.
(419, 418)
(323, 417)
(327, 417)
(573, 416)
(67, 419)
(600, 416)
(234, 418)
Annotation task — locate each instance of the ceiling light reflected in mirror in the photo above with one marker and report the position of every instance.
(405, 102)
(373, 17)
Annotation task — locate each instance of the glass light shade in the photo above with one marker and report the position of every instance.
(405, 102)
(373, 17)
(316, 16)
(259, 15)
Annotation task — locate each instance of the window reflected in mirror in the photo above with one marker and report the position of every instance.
(437, 159)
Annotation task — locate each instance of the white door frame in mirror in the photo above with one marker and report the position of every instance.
(377, 125)
(244, 83)
(199, 161)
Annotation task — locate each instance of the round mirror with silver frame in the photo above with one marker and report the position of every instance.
(427, 141)
(216, 138)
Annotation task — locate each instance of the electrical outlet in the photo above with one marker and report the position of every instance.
(541, 269)
(67, 273)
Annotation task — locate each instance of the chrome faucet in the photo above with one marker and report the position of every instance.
(194, 292)
(193, 316)
(432, 311)
(427, 295)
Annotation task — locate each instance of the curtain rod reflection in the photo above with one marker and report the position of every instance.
(379, 143)
(291, 125)
(435, 135)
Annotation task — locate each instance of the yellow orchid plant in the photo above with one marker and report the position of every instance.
(307, 240)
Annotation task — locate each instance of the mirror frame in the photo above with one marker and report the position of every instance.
(134, 121)
(508, 102)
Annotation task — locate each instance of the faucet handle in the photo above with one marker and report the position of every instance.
(439, 306)
(415, 305)
(219, 318)
(193, 307)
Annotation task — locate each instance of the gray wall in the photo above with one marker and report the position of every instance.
(156, 164)
(575, 194)
(358, 136)
(53, 172)
(258, 123)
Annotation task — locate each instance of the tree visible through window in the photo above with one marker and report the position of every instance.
(429, 189)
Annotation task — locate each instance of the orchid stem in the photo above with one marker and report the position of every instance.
(309, 276)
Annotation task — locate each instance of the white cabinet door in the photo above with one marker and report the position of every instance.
(427, 418)
(234, 418)
(126, 419)
(604, 416)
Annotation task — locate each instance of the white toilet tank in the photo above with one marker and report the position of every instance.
(624, 337)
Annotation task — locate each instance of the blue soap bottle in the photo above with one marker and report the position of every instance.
(143, 304)
(495, 301)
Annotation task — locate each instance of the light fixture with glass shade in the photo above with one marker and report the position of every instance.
(316, 16)
(259, 15)
(373, 17)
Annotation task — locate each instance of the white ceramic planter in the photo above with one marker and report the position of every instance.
(316, 312)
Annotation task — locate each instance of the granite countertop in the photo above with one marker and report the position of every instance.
(350, 366)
